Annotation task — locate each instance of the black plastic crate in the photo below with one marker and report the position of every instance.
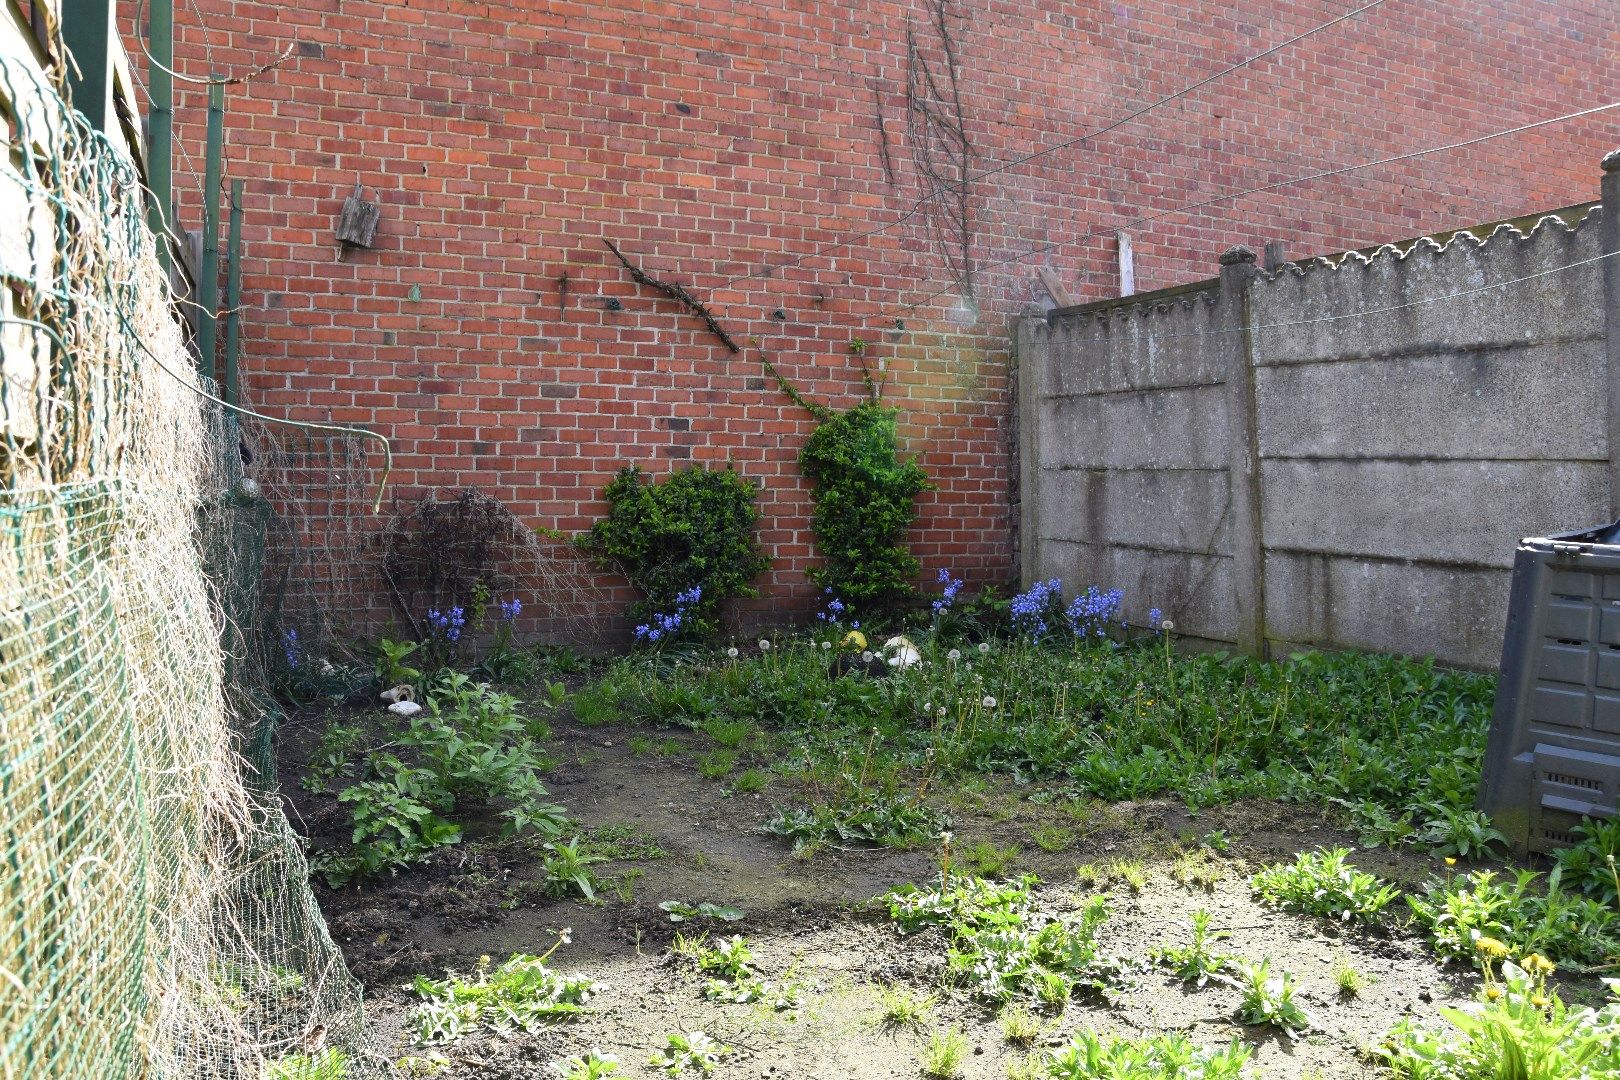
(1554, 750)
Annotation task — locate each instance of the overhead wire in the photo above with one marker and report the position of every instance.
(917, 206)
(1097, 231)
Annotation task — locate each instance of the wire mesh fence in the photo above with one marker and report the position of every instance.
(155, 919)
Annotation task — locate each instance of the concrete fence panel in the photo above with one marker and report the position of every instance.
(1340, 453)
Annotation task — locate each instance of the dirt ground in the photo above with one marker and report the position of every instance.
(810, 923)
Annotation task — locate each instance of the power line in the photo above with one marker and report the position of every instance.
(1055, 245)
(917, 206)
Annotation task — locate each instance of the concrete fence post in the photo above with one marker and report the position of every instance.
(1609, 240)
(1243, 476)
(1029, 360)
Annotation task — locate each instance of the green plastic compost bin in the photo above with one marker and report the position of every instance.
(1554, 750)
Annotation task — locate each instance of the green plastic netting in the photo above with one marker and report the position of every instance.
(155, 919)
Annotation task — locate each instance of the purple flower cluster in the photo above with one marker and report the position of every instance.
(1155, 618)
(833, 612)
(953, 585)
(662, 626)
(511, 609)
(1091, 611)
(289, 647)
(1032, 609)
(446, 625)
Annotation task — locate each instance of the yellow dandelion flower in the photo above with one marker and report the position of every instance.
(1539, 1001)
(1490, 946)
(1493, 992)
(1451, 860)
(1536, 964)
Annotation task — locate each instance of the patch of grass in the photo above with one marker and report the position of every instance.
(1090, 875)
(668, 748)
(944, 1054)
(1131, 872)
(1019, 1026)
(901, 1008)
(749, 782)
(1347, 977)
(642, 745)
(728, 733)
(1052, 838)
(1382, 733)
(1196, 868)
(622, 840)
(1324, 883)
(717, 764)
(985, 859)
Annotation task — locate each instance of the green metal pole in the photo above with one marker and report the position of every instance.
(160, 125)
(208, 285)
(233, 296)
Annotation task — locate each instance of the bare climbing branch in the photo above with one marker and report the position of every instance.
(674, 292)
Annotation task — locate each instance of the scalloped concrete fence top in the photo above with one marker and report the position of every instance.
(1341, 453)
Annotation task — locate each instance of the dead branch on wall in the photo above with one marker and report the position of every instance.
(936, 129)
(677, 293)
(884, 149)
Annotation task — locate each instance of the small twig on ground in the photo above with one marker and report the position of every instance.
(677, 293)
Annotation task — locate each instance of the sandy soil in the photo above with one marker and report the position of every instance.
(810, 922)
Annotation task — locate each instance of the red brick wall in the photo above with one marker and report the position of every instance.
(505, 142)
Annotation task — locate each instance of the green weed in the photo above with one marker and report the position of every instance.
(985, 859)
(1052, 838)
(717, 764)
(1324, 883)
(749, 782)
(591, 1065)
(1268, 999)
(328, 1064)
(689, 1050)
(1520, 1029)
(901, 1008)
(1347, 977)
(521, 992)
(1196, 962)
(1165, 1057)
(944, 1054)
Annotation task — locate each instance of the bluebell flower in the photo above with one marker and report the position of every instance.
(511, 609)
(289, 646)
(953, 585)
(1092, 611)
(1032, 609)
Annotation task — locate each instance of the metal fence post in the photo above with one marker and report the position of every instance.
(208, 285)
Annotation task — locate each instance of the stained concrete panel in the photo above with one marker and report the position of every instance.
(1466, 512)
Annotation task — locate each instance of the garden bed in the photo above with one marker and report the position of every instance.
(791, 791)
